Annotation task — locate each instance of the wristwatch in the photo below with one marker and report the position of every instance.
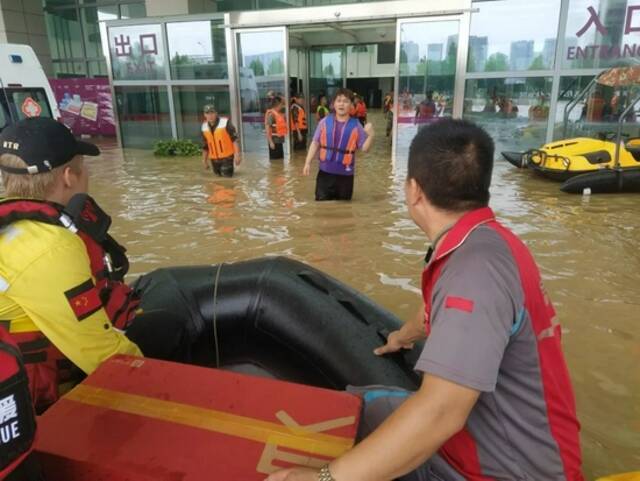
(325, 474)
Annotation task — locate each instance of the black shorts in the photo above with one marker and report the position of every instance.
(333, 186)
(277, 152)
(223, 167)
(300, 144)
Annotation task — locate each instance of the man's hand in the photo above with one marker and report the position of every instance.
(368, 128)
(306, 170)
(272, 146)
(205, 164)
(237, 158)
(395, 342)
(294, 474)
(299, 137)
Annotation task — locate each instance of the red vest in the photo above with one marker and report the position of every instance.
(460, 450)
(45, 364)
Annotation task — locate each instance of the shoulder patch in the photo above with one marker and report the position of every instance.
(84, 299)
(460, 303)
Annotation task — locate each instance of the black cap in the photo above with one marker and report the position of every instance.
(43, 143)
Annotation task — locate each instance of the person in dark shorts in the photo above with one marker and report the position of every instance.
(335, 141)
(275, 125)
(495, 400)
(298, 123)
(220, 149)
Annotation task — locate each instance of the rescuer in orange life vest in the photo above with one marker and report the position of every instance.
(298, 123)
(336, 139)
(62, 295)
(220, 148)
(275, 125)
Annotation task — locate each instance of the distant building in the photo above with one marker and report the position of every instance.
(434, 51)
(521, 54)
(478, 52)
(549, 52)
(412, 51)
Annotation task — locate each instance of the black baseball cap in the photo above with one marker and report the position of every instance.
(43, 143)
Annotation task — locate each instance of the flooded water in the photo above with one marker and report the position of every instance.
(172, 212)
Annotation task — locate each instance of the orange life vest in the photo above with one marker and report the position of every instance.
(279, 127)
(342, 149)
(219, 141)
(46, 366)
(302, 117)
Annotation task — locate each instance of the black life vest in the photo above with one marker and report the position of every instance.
(17, 418)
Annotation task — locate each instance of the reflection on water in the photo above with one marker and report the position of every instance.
(171, 212)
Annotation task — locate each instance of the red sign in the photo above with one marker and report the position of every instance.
(31, 108)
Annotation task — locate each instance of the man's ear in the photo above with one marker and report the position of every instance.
(414, 192)
(68, 176)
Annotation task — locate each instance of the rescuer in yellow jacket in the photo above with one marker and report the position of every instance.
(220, 148)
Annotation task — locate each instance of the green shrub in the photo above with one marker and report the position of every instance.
(179, 148)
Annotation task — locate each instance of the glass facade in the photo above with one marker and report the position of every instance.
(143, 115)
(73, 28)
(189, 100)
(197, 50)
(519, 80)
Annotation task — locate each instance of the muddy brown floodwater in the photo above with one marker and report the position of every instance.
(172, 212)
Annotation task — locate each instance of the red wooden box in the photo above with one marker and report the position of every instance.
(141, 419)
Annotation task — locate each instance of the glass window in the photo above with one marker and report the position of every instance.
(513, 35)
(261, 75)
(197, 50)
(231, 5)
(65, 37)
(386, 52)
(137, 52)
(59, 3)
(133, 10)
(428, 52)
(602, 34)
(22, 99)
(143, 115)
(90, 18)
(513, 110)
(597, 111)
(69, 69)
(188, 102)
(5, 117)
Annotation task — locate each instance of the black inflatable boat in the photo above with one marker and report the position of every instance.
(605, 181)
(281, 318)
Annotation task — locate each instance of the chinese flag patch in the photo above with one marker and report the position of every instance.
(84, 299)
(459, 303)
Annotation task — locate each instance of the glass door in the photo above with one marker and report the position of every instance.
(426, 77)
(261, 62)
(326, 73)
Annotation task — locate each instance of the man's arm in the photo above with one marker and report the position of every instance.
(368, 128)
(68, 311)
(411, 331)
(205, 153)
(231, 130)
(311, 153)
(405, 440)
(267, 125)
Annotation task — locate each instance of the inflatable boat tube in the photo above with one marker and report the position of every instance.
(516, 159)
(281, 318)
(606, 181)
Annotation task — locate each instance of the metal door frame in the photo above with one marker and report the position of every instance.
(234, 83)
(464, 21)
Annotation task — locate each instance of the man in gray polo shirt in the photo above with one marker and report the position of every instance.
(496, 401)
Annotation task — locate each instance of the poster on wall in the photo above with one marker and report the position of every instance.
(86, 105)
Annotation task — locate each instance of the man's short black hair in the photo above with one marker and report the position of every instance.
(452, 161)
(346, 92)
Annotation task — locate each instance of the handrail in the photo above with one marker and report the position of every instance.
(573, 103)
(623, 115)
